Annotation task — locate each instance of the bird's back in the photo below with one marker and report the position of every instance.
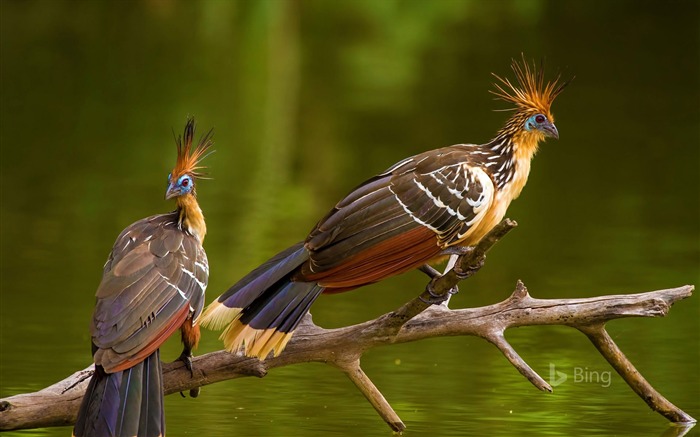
(154, 278)
(401, 218)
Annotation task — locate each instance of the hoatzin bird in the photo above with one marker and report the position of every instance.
(153, 283)
(413, 213)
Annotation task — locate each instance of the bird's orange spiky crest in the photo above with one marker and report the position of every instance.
(190, 214)
(531, 93)
(188, 159)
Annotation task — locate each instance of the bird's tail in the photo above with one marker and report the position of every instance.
(260, 312)
(126, 403)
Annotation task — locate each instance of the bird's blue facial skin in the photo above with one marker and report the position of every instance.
(182, 186)
(535, 122)
(541, 124)
(184, 183)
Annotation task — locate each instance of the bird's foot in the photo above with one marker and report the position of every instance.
(186, 357)
(462, 251)
(436, 298)
(470, 270)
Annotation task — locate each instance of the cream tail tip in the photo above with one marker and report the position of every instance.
(217, 316)
(254, 342)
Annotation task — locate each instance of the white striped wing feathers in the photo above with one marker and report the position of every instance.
(449, 200)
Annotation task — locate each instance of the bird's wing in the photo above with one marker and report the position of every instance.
(399, 219)
(448, 194)
(154, 279)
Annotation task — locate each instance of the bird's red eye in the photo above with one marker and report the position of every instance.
(540, 118)
(185, 182)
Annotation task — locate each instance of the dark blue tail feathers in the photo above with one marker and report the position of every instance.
(128, 403)
(255, 283)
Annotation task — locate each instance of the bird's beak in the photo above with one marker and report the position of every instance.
(550, 130)
(172, 191)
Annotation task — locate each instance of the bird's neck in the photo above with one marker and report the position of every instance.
(525, 145)
(509, 164)
(191, 218)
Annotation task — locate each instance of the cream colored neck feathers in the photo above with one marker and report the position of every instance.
(191, 217)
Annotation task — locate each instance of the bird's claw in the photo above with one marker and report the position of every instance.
(469, 271)
(437, 298)
(186, 358)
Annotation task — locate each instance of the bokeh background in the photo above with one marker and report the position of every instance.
(308, 98)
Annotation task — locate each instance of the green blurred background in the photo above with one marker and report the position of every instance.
(308, 98)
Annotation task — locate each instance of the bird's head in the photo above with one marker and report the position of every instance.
(541, 125)
(532, 97)
(179, 187)
(181, 181)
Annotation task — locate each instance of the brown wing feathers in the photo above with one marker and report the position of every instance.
(392, 256)
(364, 214)
(352, 212)
(394, 223)
(144, 350)
(148, 291)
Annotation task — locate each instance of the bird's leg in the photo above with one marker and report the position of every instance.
(186, 357)
(436, 298)
(429, 270)
(190, 339)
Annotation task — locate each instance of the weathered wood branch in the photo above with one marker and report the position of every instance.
(58, 404)
(342, 348)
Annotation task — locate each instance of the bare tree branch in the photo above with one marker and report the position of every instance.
(373, 395)
(607, 347)
(58, 404)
